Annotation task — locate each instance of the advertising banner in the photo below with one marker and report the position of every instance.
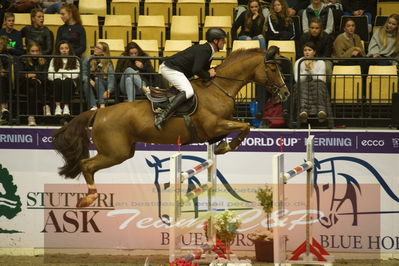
(355, 196)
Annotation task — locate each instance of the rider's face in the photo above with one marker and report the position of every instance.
(220, 44)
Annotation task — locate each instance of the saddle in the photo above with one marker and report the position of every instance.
(160, 98)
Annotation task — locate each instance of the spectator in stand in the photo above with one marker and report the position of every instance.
(4, 4)
(54, 6)
(348, 44)
(314, 99)
(243, 6)
(280, 25)
(38, 33)
(318, 36)
(101, 80)
(337, 10)
(63, 72)
(15, 45)
(132, 72)
(360, 8)
(33, 81)
(321, 10)
(4, 81)
(251, 24)
(384, 42)
(72, 31)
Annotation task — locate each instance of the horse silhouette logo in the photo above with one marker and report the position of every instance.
(327, 176)
(161, 166)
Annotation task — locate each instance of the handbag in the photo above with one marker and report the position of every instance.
(273, 114)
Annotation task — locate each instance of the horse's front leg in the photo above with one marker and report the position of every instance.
(225, 127)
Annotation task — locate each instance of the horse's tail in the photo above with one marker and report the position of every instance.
(72, 142)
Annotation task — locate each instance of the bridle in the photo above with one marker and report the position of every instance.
(274, 87)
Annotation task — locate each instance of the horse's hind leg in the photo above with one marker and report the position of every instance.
(100, 161)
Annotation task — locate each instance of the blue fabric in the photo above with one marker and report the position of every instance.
(130, 84)
(262, 42)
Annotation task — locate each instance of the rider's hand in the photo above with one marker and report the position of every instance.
(212, 72)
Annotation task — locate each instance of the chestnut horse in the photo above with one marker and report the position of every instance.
(116, 129)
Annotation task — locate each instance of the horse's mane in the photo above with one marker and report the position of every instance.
(240, 54)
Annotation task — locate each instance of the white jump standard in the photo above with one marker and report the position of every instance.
(310, 250)
(177, 177)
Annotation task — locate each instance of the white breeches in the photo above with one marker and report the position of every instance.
(177, 79)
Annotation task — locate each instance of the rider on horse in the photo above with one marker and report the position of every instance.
(195, 60)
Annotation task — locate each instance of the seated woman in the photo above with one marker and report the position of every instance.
(38, 33)
(252, 24)
(314, 99)
(101, 80)
(63, 72)
(280, 25)
(384, 42)
(131, 73)
(320, 10)
(32, 80)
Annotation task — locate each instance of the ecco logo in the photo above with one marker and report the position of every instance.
(373, 143)
(47, 139)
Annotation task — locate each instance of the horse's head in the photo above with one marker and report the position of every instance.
(274, 80)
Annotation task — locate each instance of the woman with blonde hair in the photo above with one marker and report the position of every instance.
(384, 42)
(101, 80)
(280, 25)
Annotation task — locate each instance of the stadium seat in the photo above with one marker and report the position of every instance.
(220, 54)
(387, 8)
(223, 22)
(159, 8)
(223, 8)
(191, 8)
(287, 48)
(22, 19)
(243, 44)
(184, 28)
(174, 46)
(98, 7)
(118, 27)
(90, 23)
(126, 7)
(150, 47)
(116, 47)
(53, 22)
(151, 28)
(382, 81)
(346, 84)
(361, 26)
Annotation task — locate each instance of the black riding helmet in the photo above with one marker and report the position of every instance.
(215, 34)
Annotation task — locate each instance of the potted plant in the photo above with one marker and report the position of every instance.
(263, 238)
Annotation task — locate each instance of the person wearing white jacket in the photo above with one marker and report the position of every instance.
(62, 72)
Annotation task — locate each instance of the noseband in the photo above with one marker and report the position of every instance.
(275, 88)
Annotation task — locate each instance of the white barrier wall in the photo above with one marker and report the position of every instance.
(37, 207)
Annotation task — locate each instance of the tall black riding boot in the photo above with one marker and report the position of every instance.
(160, 118)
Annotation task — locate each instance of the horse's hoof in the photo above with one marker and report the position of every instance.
(83, 202)
(86, 201)
(222, 148)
